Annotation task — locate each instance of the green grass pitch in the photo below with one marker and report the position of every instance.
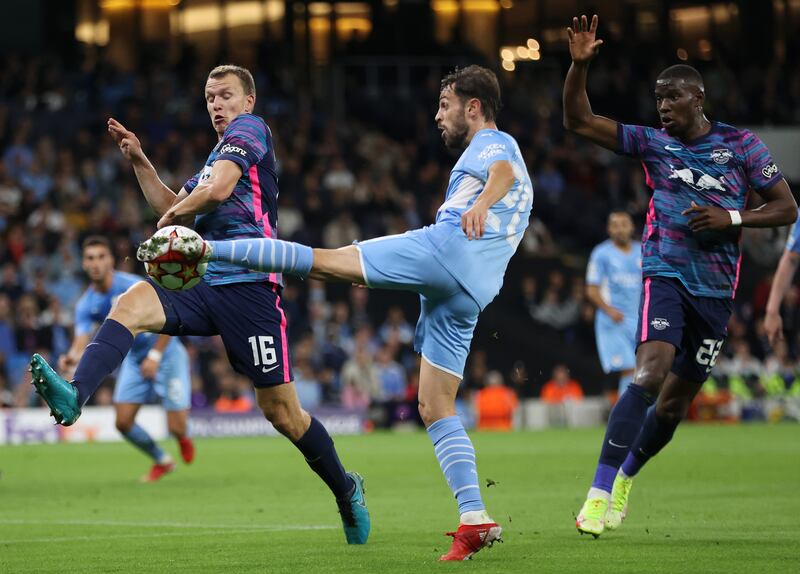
(719, 499)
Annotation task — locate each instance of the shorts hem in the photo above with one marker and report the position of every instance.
(441, 368)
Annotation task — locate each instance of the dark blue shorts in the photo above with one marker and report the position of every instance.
(696, 326)
(248, 317)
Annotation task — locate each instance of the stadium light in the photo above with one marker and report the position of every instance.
(683, 55)
(533, 44)
(509, 65)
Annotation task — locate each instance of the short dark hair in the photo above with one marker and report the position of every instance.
(94, 240)
(243, 74)
(479, 83)
(683, 72)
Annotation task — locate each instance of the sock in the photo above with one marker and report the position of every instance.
(456, 458)
(654, 436)
(139, 438)
(269, 255)
(624, 381)
(104, 354)
(317, 446)
(624, 425)
(598, 493)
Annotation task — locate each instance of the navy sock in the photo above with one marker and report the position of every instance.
(655, 435)
(624, 425)
(317, 446)
(104, 354)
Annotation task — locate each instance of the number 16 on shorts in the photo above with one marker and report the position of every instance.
(264, 355)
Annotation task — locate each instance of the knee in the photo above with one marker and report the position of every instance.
(651, 378)
(124, 425)
(286, 421)
(124, 311)
(428, 413)
(673, 410)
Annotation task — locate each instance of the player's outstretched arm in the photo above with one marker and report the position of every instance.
(578, 115)
(787, 267)
(157, 194)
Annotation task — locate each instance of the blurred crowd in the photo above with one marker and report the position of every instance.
(62, 178)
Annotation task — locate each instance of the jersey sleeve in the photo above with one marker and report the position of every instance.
(633, 140)
(595, 271)
(192, 183)
(793, 241)
(488, 147)
(83, 318)
(759, 166)
(245, 142)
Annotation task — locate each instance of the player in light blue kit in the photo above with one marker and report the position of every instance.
(156, 368)
(613, 285)
(456, 265)
(787, 267)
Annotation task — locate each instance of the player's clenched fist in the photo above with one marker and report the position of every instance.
(127, 141)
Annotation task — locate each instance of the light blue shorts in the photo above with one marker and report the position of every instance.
(172, 386)
(448, 313)
(616, 346)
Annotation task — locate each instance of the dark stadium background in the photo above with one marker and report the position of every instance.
(349, 90)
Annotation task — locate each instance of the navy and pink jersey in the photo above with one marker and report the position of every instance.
(251, 211)
(718, 168)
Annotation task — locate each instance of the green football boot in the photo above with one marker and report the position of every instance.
(591, 518)
(60, 395)
(618, 507)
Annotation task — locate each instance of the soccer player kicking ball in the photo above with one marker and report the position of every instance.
(234, 196)
(157, 367)
(700, 173)
(456, 265)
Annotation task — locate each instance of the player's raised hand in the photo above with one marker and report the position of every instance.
(708, 217)
(773, 325)
(583, 45)
(473, 221)
(127, 141)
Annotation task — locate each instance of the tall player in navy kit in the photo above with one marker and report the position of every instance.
(701, 173)
(233, 197)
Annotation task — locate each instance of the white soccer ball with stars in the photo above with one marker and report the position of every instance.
(173, 257)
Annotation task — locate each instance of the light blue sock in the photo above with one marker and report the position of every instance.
(624, 381)
(456, 458)
(268, 255)
(139, 438)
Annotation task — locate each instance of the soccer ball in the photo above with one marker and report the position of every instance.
(174, 261)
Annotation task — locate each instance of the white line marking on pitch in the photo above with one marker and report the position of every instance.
(243, 527)
(215, 528)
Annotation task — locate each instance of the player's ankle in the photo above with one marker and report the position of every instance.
(475, 517)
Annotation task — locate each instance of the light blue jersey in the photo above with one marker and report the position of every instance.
(480, 265)
(172, 383)
(793, 241)
(619, 276)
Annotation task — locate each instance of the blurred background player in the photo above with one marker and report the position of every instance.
(613, 286)
(234, 196)
(156, 368)
(701, 173)
(456, 266)
(781, 283)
